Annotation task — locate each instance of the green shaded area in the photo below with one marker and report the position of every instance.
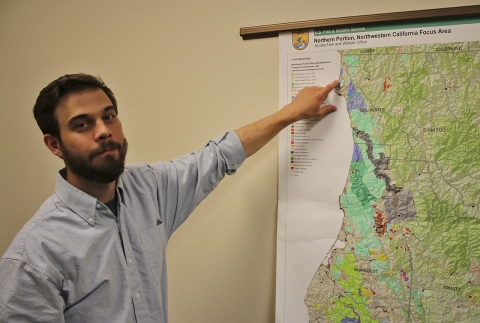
(353, 283)
(458, 150)
(355, 299)
(343, 308)
(452, 235)
(358, 187)
(415, 296)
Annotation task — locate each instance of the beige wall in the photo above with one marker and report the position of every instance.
(182, 75)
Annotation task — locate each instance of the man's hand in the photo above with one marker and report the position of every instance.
(306, 105)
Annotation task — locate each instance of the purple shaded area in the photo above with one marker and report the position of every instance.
(357, 154)
(347, 319)
(351, 89)
(354, 99)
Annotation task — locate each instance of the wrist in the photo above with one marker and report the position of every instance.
(289, 114)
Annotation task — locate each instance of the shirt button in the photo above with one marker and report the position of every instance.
(98, 205)
(90, 220)
(137, 296)
(129, 260)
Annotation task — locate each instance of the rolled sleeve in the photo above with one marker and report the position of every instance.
(232, 151)
(185, 181)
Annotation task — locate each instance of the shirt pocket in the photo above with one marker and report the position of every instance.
(154, 245)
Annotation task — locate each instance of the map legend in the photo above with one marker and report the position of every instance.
(293, 86)
(292, 147)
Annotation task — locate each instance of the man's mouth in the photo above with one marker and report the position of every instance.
(106, 149)
(106, 152)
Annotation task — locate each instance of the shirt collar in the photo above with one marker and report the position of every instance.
(120, 190)
(78, 201)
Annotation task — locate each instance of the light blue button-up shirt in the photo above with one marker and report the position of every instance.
(67, 264)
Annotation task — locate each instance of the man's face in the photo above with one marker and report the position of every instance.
(105, 171)
(91, 140)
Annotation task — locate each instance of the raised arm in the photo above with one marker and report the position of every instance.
(306, 105)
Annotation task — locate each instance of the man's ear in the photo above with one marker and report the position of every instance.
(53, 144)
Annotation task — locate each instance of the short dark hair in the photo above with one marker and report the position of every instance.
(50, 96)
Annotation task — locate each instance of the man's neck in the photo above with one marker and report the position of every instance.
(104, 192)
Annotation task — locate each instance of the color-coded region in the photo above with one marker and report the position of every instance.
(411, 202)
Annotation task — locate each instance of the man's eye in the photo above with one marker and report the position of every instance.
(81, 125)
(109, 117)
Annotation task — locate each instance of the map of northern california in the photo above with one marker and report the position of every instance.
(409, 245)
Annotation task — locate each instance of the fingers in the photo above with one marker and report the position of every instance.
(330, 87)
(324, 89)
(327, 109)
(309, 101)
(327, 89)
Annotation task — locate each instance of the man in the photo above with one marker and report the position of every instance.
(95, 250)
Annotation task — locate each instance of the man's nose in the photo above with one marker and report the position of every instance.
(102, 131)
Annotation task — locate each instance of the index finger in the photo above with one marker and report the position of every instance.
(331, 86)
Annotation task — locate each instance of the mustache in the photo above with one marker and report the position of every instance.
(106, 145)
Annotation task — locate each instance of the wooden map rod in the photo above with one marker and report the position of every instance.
(429, 14)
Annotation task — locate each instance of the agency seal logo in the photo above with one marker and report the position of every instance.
(300, 39)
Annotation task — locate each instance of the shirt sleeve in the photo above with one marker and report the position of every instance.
(184, 182)
(27, 295)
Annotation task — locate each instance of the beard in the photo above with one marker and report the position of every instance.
(107, 171)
